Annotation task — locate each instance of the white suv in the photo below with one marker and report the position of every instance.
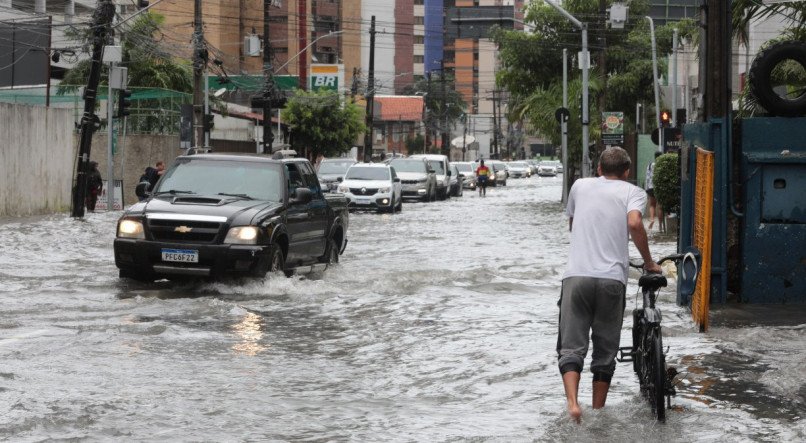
(372, 186)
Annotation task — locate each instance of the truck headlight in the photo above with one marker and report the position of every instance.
(242, 235)
(131, 229)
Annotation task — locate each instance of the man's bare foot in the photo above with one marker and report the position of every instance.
(575, 412)
(651, 224)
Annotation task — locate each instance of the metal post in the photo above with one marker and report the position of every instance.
(198, 70)
(656, 83)
(268, 78)
(564, 128)
(637, 118)
(674, 79)
(370, 96)
(586, 172)
(110, 134)
(206, 108)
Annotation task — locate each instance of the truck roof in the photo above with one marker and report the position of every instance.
(237, 156)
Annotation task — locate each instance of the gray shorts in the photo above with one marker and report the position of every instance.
(590, 308)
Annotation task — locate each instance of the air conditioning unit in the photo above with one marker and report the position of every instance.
(251, 46)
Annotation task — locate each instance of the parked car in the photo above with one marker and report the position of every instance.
(372, 186)
(519, 169)
(547, 169)
(500, 173)
(457, 181)
(214, 215)
(417, 178)
(467, 169)
(331, 172)
(440, 165)
(532, 165)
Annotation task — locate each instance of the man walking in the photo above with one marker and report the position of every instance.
(602, 212)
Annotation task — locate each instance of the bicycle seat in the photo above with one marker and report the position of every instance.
(652, 281)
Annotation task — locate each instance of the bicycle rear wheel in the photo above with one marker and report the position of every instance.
(656, 366)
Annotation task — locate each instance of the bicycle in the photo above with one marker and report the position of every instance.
(646, 353)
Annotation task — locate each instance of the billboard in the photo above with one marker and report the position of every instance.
(613, 128)
(326, 77)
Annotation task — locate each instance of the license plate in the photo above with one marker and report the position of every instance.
(362, 201)
(180, 255)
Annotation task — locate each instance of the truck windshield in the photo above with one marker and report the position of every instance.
(335, 167)
(255, 180)
(364, 173)
(437, 166)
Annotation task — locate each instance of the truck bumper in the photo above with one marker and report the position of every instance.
(144, 258)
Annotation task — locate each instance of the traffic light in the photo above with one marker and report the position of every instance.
(209, 122)
(665, 119)
(124, 103)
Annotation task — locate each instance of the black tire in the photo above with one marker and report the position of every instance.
(399, 205)
(656, 366)
(761, 81)
(277, 260)
(331, 256)
(636, 340)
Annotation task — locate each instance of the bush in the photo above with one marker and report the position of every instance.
(666, 182)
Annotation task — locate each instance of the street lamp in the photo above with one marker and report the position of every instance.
(585, 62)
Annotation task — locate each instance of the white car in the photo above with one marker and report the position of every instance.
(547, 169)
(440, 165)
(519, 169)
(372, 186)
(467, 169)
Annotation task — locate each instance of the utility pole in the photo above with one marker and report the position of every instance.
(500, 125)
(674, 79)
(199, 63)
(495, 129)
(268, 79)
(446, 149)
(656, 82)
(564, 130)
(370, 96)
(427, 128)
(101, 26)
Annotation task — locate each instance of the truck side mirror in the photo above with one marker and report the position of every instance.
(448, 173)
(397, 180)
(302, 196)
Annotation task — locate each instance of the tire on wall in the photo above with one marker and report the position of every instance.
(761, 81)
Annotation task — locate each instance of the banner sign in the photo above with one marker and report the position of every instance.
(326, 77)
(613, 128)
(101, 205)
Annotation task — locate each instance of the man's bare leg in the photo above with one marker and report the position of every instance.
(600, 389)
(571, 385)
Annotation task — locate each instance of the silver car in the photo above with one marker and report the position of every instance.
(331, 172)
(467, 169)
(417, 177)
(519, 169)
(441, 166)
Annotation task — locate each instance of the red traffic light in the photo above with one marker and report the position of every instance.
(665, 118)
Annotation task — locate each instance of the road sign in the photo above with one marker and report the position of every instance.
(326, 77)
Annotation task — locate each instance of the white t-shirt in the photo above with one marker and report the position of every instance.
(599, 234)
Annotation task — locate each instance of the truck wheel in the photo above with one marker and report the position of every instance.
(277, 262)
(331, 256)
(761, 82)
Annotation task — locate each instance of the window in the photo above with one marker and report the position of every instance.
(419, 39)
(419, 20)
(419, 59)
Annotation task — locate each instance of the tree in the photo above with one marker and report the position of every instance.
(321, 124)
(149, 65)
(666, 182)
(532, 67)
(415, 145)
(439, 112)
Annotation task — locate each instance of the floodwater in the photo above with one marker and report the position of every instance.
(438, 325)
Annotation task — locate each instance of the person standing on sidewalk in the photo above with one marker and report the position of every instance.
(652, 203)
(603, 211)
(95, 185)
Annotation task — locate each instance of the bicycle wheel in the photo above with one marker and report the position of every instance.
(657, 374)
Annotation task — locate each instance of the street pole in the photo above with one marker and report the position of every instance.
(446, 149)
(637, 118)
(199, 61)
(674, 79)
(206, 109)
(268, 78)
(656, 83)
(370, 96)
(564, 128)
(464, 140)
(585, 68)
(494, 154)
(101, 23)
(110, 134)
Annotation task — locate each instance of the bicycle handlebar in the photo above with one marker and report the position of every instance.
(674, 257)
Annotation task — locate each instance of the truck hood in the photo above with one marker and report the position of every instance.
(237, 211)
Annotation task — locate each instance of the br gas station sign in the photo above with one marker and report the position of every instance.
(326, 77)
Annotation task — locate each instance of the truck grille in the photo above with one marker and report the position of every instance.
(363, 191)
(187, 231)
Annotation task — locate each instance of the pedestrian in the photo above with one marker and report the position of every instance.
(149, 179)
(652, 202)
(482, 175)
(95, 185)
(602, 212)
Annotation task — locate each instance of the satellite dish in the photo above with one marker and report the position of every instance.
(220, 92)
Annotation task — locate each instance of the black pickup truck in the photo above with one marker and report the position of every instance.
(215, 215)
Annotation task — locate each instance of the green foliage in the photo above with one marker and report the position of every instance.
(321, 124)
(149, 66)
(532, 67)
(415, 145)
(451, 108)
(744, 11)
(666, 182)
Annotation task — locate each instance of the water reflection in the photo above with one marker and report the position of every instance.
(250, 332)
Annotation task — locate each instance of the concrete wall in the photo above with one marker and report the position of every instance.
(138, 152)
(36, 159)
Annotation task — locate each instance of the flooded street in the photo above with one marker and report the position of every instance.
(439, 324)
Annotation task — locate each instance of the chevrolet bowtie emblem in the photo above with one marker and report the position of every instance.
(183, 229)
